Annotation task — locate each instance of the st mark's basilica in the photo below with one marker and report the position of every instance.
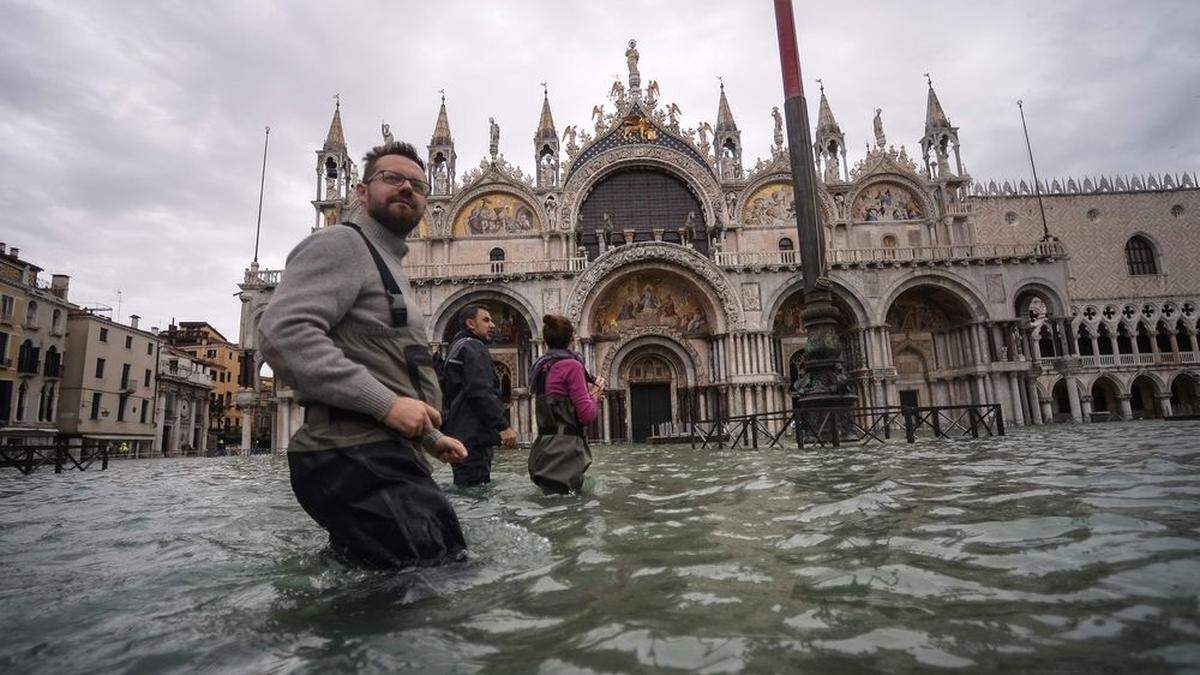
(676, 256)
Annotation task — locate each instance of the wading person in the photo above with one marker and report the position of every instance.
(565, 405)
(474, 413)
(340, 330)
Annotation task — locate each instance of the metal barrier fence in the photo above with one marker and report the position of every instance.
(837, 426)
(60, 455)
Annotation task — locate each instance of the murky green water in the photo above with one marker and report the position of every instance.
(1072, 550)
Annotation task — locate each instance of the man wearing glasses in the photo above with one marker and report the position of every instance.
(339, 329)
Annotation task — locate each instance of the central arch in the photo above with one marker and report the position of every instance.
(654, 378)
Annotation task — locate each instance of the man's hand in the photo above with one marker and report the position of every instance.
(508, 437)
(597, 388)
(412, 418)
(449, 449)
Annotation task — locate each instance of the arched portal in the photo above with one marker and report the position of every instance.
(1106, 397)
(638, 204)
(655, 377)
(1062, 401)
(1185, 394)
(787, 329)
(1143, 398)
(931, 336)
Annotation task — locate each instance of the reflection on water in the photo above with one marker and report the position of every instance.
(1071, 549)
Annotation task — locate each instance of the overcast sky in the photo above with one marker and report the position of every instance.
(131, 133)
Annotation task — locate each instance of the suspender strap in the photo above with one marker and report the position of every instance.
(399, 307)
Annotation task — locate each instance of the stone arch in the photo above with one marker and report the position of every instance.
(484, 187)
(694, 370)
(852, 298)
(446, 311)
(1185, 393)
(698, 179)
(1105, 390)
(910, 183)
(679, 259)
(1038, 287)
(969, 295)
(1144, 389)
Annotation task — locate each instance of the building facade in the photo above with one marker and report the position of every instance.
(183, 401)
(109, 384)
(679, 265)
(201, 341)
(33, 344)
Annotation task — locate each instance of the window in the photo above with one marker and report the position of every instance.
(149, 349)
(1139, 254)
(95, 405)
(128, 342)
(496, 255)
(27, 358)
(31, 315)
(889, 241)
(104, 335)
(145, 406)
(7, 306)
(56, 321)
(21, 392)
(99, 367)
(212, 353)
(121, 407)
(785, 244)
(3, 348)
(125, 375)
(146, 379)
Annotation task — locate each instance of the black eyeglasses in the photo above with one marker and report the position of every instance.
(398, 180)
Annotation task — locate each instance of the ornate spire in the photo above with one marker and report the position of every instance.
(545, 128)
(335, 140)
(441, 130)
(825, 120)
(724, 116)
(935, 117)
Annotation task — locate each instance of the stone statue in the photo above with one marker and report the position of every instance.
(569, 137)
(673, 113)
(778, 126)
(705, 128)
(606, 220)
(387, 134)
(441, 181)
(631, 59)
(831, 169)
(617, 93)
(652, 91)
(598, 115)
(494, 144)
(880, 138)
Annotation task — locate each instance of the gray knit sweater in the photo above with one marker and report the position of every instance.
(331, 276)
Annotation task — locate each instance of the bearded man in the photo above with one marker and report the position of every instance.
(339, 330)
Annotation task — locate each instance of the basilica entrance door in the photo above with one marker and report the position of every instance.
(650, 404)
(909, 398)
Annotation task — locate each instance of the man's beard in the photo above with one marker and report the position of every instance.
(399, 224)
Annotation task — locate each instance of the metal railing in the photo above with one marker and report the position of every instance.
(750, 258)
(837, 426)
(263, 277)
(62, 454)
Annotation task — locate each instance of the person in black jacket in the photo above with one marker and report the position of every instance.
(474, 413)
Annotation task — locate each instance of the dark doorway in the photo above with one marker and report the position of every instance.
(909, 398)
(650, 404)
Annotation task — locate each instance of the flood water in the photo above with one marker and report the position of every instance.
(1074, 549)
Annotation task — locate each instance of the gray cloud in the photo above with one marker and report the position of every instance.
(132, 133)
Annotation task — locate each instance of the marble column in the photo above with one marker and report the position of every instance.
(1035, 408)
(1086, 403)
(1014, 388)
(1164, 404)
(247, 423)
(1073, 396)
(1123, 405)
(1047, 412)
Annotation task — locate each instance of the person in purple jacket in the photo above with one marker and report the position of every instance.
(566, 403)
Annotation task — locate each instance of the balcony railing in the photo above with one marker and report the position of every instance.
(497, 268)
(945, 253)
(1161, 358)
(263, 277)
(757, 258)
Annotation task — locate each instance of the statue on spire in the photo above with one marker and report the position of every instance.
(494, 142)
(880, 137)
(635, 78)
(386, 128)
(778, 127)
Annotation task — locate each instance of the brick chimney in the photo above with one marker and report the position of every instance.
(15, 252)
(133, 320)
(59, 285)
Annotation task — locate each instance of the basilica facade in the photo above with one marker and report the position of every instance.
(678, 261)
